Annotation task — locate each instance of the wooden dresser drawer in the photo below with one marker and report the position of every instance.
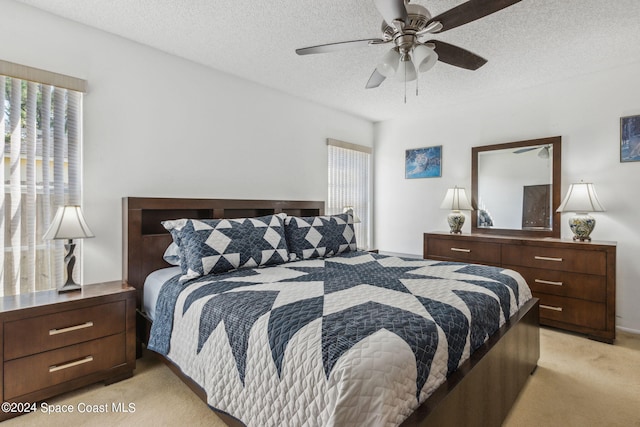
(42, 333)
(576, 281)
(548, 258)
(28, 374)
(555, 282)
(570, 310)
(463, 250)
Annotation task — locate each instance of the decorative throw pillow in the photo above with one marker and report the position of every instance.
(319, 236)
(219, 245)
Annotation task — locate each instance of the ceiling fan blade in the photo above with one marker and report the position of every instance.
(332, 47)
(524, 150)
(468, 12)
(457, 56)
(375, 80)
(392, 10)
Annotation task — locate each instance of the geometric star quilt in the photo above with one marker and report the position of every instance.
(355, 339)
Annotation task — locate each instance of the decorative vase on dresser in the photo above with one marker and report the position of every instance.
(575, 281)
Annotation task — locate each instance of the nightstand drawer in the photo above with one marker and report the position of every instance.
(574, 311)
(561, 283)
(28, 374)
(576, 260)
(42, 333)
(463, 250)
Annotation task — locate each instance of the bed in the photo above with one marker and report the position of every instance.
(477, 391)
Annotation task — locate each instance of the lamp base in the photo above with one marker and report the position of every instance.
(456, 221)
(70, 261)
(582, 225)
(69, 287)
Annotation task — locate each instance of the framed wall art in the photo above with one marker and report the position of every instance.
(630, 139)
(423, 162)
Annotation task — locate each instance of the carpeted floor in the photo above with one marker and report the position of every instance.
(578, 382)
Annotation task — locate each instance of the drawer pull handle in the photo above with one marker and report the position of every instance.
(70, 328)
(546, 258)
(548, 282)
(548, 307)
(461, 250)
(55, 368)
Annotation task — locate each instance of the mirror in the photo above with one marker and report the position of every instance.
(516, 188)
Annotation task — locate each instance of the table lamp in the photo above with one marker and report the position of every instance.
(456, 200)
(581, 198)
(349, 210)
(68, 224)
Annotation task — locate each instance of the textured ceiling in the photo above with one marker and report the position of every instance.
(528, 44)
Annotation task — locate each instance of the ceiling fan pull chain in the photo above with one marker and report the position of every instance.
(405, 84)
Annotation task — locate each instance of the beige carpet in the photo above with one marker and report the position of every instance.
(578, 382)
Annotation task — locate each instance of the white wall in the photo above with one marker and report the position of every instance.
(159, 126)
(585, 111)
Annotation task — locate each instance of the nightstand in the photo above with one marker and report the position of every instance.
(53, 343)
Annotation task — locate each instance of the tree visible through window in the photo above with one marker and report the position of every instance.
(41, 151)
(349, 184)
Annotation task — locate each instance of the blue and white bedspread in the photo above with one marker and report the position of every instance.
(359, 339)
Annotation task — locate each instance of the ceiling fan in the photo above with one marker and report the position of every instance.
(405, 25)
(543, 153)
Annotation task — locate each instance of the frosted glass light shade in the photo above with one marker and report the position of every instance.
(389, 63)
(406, 72)
(456, 200)
(424, 58)
(582, 198)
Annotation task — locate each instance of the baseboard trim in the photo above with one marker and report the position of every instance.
(628, 330)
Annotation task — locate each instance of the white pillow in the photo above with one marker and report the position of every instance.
(172, 254)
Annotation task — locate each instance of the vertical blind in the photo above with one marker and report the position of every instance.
(41, 127)
(350, 184)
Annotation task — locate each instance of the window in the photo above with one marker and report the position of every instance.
(41, 125)
(350, 184)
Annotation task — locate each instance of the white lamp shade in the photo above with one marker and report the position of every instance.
(424, 58)
(389, 63)
(406, 71)
(68, 223)
(349, 210)
(456, 199)
(581, 198)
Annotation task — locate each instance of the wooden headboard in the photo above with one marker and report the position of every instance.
(144, 238)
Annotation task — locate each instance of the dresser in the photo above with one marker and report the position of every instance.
(53, 343)
(575, 281)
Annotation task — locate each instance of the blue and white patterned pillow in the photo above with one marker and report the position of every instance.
(319, 236)
(219, 245)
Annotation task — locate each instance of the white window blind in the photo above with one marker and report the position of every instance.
(350, 184)
(41, 125)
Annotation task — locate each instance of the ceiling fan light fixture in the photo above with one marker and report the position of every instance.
(388, 65)
(544, 152)
(424, 58)
(406, 71)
